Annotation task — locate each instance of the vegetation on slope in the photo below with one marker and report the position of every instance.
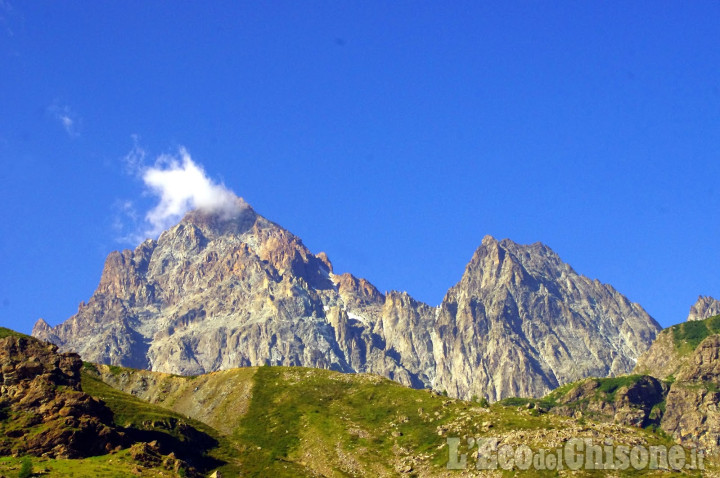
(688, 335)
(5, 332)
(115, 465)
(304, 422)
(309, 422)
(295, 410)
(189, 439)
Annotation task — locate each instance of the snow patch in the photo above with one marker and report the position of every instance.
(357, 317)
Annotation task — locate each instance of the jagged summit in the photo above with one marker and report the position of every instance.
(220, 291)
(41, 326)
(229, 220)
(519, 310)
(705, 307)
(509, 261)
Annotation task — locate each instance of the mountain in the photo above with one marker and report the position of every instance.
(519, 311)
(216, 292)
(705, 307)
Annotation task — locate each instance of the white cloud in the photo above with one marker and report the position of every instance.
(180, 185)
(134, 161)
(67, 119)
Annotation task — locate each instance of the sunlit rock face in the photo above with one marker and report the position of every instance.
(222, 291)
(521, 322)
(705, 307)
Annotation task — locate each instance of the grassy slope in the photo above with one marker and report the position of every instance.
(5, 332)
(190, 439)
(688, 335)
(304, 419)
(219, 399)
(116, 465)
(280, 421)
(309, 422)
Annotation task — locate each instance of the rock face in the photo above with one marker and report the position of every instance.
(691, 410)
(687, 356)
(682, 397)
(705, 307)
(635, 403)
(662, 359)
(43, 409)
(519, 311)
(215, 293)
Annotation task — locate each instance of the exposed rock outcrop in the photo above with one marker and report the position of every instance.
(684, 406)
(705, 307)
(687, 355)
(691, 409)
(214, 293)
(663, 359)
(43, 409)
(634, 401)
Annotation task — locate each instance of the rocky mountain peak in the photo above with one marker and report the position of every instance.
(492, 263)
(41, 326)
(230, 220)
(536, 256)
(219, 290)
(519, 310)
(705, 307)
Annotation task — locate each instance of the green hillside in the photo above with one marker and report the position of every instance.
(309, 422)
(5, 332)
(295, 421)
(688, 335)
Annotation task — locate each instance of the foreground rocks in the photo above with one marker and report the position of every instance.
(44, 411)
(638, 403)
(691, 410)
(682, 400)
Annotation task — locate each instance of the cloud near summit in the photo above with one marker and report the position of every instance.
(180, 185)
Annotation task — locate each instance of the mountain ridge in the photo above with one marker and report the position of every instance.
(215, 292)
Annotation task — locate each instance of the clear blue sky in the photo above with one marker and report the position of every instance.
(392, 135)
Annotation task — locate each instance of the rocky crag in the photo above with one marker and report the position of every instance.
(635, 400)
(43, 410)
(213, 293)
(519, 311)
(687, 357)
(675, 387)
(705, 307)
(50, 408)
